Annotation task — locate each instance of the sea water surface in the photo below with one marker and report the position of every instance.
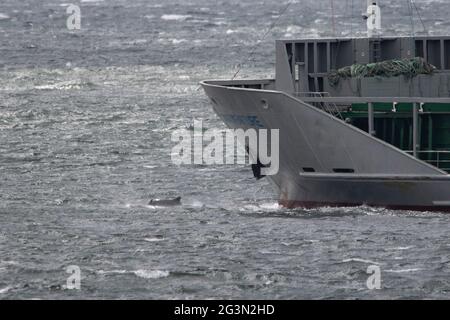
(86, 118)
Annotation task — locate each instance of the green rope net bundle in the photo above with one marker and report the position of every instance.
(390, 68)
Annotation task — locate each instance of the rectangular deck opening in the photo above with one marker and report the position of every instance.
(343, 170)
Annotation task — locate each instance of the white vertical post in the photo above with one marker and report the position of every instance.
(370, 117)
(415, 129)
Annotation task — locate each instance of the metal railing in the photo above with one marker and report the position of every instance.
(354, 99)
(437, 158)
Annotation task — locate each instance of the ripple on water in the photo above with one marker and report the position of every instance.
(403, 270)
(157, 239)
(151, 274)
(359, 260)
(141, 273)
(5, 290)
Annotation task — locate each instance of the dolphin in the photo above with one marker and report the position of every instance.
(166, 203)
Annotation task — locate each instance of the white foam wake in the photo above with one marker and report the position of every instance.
(154, 239)
(175, 17)
(141, 273)
(360, 260)
(64, 85)
(403, 270)
(151, 274)
(400, 248)
(5, 290)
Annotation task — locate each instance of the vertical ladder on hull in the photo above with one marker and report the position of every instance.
(376, 50)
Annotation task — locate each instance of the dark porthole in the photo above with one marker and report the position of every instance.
(309, 170)
(343, 170)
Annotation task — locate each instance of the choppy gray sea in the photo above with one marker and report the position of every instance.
(85, 140)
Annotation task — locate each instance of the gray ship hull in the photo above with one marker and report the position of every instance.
(351, 167)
